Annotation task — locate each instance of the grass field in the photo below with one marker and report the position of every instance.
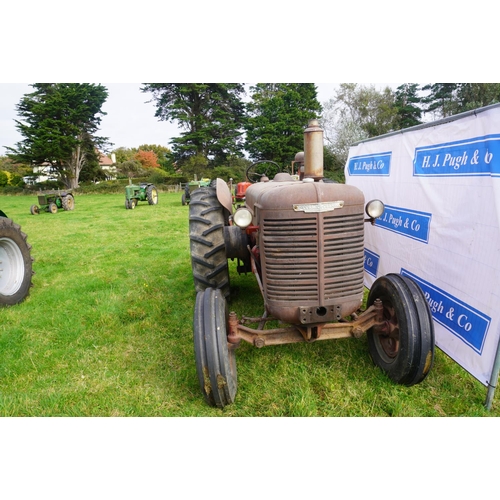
(107, 331)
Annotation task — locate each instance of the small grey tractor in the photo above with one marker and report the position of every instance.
(52, 201)
(134, 193)
(16, 263)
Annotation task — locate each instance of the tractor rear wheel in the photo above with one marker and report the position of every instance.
(403, 346)
(68, 202)
(215, 360)
(152, 195)
(206, 234)
(15, 263)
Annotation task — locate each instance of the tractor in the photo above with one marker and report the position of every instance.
(143, 192)
(303, 239)
(51, 201)
(16, 263)
(190, 187)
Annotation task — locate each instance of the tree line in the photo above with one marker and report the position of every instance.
(223, 126)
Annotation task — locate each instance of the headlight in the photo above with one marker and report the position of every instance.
(242, 217)
(374, 209)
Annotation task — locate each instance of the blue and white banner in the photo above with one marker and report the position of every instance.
(440, 184)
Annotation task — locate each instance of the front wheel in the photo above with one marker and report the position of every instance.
(52, 208)
(215, 360)
(15, 263)
(403, 346)
(34, 209)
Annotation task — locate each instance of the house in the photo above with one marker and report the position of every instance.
(107, 164)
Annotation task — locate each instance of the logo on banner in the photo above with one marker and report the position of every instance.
(378, 164)
(371, 262)
(410, 223)
(470, 157)
(465, 322)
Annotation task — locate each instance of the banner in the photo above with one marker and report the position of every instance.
(440, 183)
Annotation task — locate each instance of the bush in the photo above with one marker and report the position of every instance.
(3, 179)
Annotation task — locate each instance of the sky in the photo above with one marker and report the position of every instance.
(129, 120)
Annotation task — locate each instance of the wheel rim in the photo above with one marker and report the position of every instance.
(11, 267)
(387, 334)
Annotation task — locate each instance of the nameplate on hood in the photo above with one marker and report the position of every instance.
(324, 206)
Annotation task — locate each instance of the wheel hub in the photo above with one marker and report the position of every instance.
(11, 267)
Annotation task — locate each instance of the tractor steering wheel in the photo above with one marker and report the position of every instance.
(255, 172)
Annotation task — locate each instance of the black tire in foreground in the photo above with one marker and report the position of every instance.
(404, 346)
(152, 195)
(206, 234)
(215, 360)
(16, 264)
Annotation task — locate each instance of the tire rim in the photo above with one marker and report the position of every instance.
(388, 332)
(11, 267)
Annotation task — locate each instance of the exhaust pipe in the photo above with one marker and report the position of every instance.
(313, 151)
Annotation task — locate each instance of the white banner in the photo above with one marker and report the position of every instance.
(441, 226)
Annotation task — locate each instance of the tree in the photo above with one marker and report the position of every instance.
(356, 112)
(476, 95)
(147, 159)
(211, 114)
(407, 104)
(441, 100)
(278, 115)
(60, 122)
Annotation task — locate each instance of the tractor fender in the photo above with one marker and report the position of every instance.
(224, 195)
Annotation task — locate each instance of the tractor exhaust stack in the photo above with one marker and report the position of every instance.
(313, 151)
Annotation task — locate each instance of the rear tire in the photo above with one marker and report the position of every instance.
(68, 202)
(152, 195)
(15, 263)
(215, 361)
(206, 234)
(404, 346)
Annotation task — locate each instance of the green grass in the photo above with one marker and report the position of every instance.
(107, 331)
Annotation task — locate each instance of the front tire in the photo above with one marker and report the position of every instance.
(34, 210)
(215, 361)
(206, 234)
(52, 208)
(15, 263)
(403, 347)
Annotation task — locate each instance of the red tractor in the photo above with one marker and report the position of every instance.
(304, 241)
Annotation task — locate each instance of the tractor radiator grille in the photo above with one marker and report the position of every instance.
(315, 258)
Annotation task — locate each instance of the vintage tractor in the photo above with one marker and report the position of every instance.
(16, 263)
(51, 201)
(143, 192)
(304, 242)
(190, 187)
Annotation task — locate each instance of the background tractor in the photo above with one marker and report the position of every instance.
(192, 186)
(142, 192)
(303, 239)
(15, 263)
(51, 201)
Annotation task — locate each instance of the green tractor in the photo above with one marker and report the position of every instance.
(142, 192)
(192, 186)
(52, 201)
(15, 263)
